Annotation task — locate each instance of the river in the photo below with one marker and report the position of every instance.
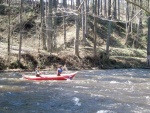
(91, 91)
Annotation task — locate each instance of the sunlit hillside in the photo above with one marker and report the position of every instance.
(121, 56)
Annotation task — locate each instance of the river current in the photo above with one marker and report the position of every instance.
(91, 91)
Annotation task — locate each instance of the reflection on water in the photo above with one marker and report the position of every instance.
(91, 91)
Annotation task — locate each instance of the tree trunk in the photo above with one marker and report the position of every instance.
(109, 8)
(95, 30)
(98, 6)
(46, 12)
(42, 25)
(115, 9)
(95, 36)
(20, 41)
(108, 37)
(127, 24)
(83, 24)
(148, 43)
(132, 15)
(76, 43)
(64, 27)
(49, 27)
(148, 5)
(85, 5)
(101, 7)
(65, 3)
(105, 9)
(93, 6)
(140, 21)
(138, 29)
(118, 9)
(71, 4)
(46, 23)
(77, 36)
(55, 23)
(8, 58)
(64, 24)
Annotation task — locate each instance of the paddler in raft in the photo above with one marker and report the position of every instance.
(37, 71)
(59, 70)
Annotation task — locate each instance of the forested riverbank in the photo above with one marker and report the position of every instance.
(59, 32)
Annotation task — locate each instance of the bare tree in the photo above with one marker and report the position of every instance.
(105, 9)
(101, 7)
(55, 2)
(88, 3)
(86, 22)
(76, 42)
(98, 7)
(148, 2)
(148, 13)
(49, 27)
(132, 14)
(108, 37)
(95, 29)
(115, 9)
(93, 6)
(109, 8)
(118, 9)
(148, 43)
(143, 8)
(64, 23)
(127, 24)
(42, 24)
(83, 23)
(65, 3)
(140, 22)
(20, 41)
(8, 59)
(71, 4)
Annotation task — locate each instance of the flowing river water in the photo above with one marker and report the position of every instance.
(91, 91)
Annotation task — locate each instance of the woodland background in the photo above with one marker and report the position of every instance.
(80, 34)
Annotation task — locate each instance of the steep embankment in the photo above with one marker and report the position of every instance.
(33, 54)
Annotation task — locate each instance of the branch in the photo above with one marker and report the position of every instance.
(81, 5)
(138, 6)
(135, 16)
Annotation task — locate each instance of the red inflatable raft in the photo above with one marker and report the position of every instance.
(50, 77)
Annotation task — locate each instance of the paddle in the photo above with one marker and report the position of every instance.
(65, 68)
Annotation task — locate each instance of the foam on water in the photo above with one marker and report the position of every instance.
(105, 111)
(81, 87)
(76, 101)
(114, 82)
